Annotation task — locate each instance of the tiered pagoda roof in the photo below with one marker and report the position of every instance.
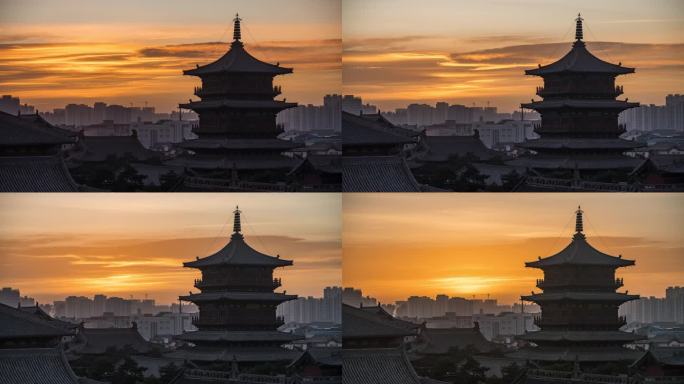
(579, 276)
(235, 280)
(237, 130)
(579, 110)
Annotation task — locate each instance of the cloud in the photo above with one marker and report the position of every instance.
(399, 77)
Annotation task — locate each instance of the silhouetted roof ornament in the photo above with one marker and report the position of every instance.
(579, 35)
(236, 29)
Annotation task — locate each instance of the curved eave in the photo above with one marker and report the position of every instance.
(580, 60)
(200, 265)
(257, 104)
(583, 104)
(238, 296)
(544, 70)
(198, 71)
(541, 265)
(579, 296)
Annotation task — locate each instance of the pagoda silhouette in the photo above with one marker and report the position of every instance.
(237, 320)
(579, 130)
(237, 133)
(579, 306)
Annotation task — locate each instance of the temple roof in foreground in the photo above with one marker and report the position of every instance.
(17, 324)
(238, 252)
(24, 131)
(98, 340)
(377, 174)
(441, 148)
(441, 340)
(360, 131)
(99, 148)
(580, 143)
(36, 366)
(358, 323)
(379, 366)
(35, 174)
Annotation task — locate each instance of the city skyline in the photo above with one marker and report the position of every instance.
(122, 245)
(463, 53)
(58, 51)
(479, 244)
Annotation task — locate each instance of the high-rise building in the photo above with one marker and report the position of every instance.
(9, 296)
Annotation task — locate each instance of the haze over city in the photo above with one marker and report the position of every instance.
(396, 246)
(121, 244)
(462, 52)
(58, 52)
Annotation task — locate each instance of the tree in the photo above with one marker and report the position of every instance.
(128, 373)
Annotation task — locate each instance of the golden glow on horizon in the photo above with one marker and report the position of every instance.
(53, 245)
(409, 55)
(49, 63)
(396, 246)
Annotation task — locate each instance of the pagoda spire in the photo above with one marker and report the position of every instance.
(579, 224)
(237, 35)
(579, 34)
(237, 227)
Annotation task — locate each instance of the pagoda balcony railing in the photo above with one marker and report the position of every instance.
(537, 321)
(540, 283)
(280, 320)
(277, 90)
(540, 91)
(622, 128)
(277, 282)
(572, 377)
(619, 90)
(581, 92)
(619, 282)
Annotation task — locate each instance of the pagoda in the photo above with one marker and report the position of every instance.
(579, 130)
(237, 131)
(579, 320)
(237, 320)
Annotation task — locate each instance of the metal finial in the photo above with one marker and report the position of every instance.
(236, 28)
(579, 35)
(579, 225)
(237, 228)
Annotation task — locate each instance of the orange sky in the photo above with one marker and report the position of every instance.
(56, 52)
(54, 245)
(464, 244)
(476, 52)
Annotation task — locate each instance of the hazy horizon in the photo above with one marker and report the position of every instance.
(121, 244)
(57, 52)
(459, 244)
(476, 52)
